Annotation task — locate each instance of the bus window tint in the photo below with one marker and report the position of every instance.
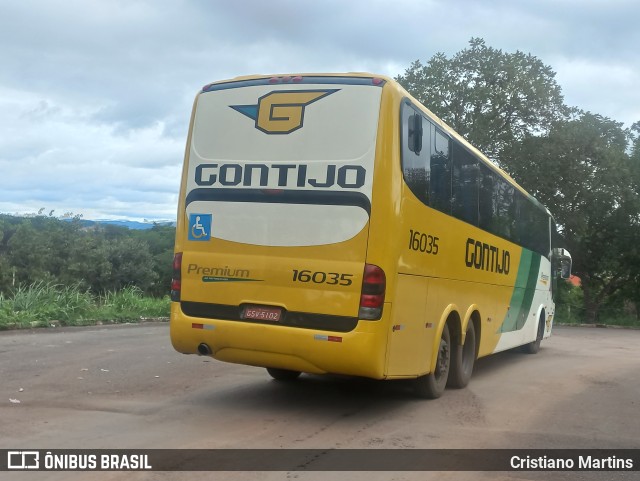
(504, 209)
(440, 173)
(498, 206)
(465, 185)
(532, 226)
(486, 206)
(448, 177)
(415, 165)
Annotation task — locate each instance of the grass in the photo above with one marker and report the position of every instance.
(42, 304)
(129, 304)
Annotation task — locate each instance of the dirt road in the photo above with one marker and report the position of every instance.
(125, 387)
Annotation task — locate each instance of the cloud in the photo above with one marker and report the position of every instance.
(603, 87)
(58, 157)
(95, 96)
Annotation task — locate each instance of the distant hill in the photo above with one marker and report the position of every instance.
(135, 225)
(129, 224)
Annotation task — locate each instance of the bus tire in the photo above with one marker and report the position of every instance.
(462, 359)
(284, 375)
(534, 347)
(432, 385)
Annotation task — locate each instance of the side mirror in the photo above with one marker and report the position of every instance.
(562, 259)
(415, 133)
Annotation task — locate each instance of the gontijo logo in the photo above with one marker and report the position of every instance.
(281, 111)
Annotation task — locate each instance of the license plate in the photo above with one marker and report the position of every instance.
(260, 313)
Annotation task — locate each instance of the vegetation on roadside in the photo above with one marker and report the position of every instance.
(96, 257)
(44, 304)
(68, 272)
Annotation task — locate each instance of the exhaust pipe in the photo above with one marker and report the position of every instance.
(204, 350)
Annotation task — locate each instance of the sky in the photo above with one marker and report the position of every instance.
(96, 95)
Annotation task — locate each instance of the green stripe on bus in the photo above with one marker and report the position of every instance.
(530, 289)
(523, 292)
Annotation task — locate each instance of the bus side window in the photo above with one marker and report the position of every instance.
(532, 227)
(440, 172)
(415, 152)
(541, 232)
(504, 221)
(486, 205)
(464, 201)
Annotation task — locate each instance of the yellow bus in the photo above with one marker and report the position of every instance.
(330, 223)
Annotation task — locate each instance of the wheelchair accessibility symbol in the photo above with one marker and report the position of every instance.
(199, 227)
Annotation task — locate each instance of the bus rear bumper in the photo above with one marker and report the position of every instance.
(360, 352)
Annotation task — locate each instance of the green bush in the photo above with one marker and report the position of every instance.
(569, 304)
(130, 303)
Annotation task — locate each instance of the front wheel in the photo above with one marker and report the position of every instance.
(283, 374)
(463, 358)
(431, 386)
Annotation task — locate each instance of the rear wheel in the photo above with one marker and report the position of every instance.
(431, 386)
(534, 347)
(462, 359)
(283, 374)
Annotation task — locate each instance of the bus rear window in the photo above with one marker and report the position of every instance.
(266, 161)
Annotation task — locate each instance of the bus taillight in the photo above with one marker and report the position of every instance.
(372, 296)
(176, 281)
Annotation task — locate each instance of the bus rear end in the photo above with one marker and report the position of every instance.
(270, 265)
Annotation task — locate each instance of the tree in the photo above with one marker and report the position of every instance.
(70, 251)
(88, 262)
(8, 227)
(490, 97)
(131, 264)
(635, 154)
(31, 254)
(160, 240)
(583, 173)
